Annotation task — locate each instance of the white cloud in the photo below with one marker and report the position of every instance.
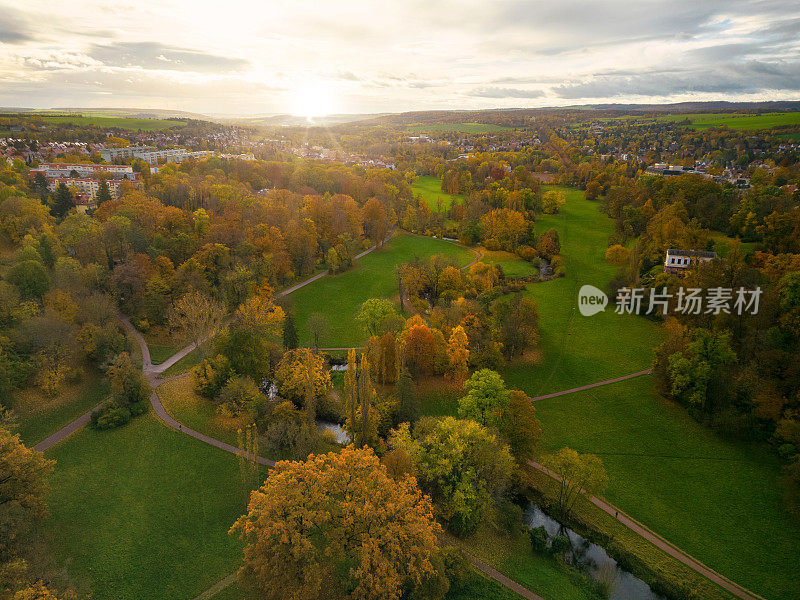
(249, 56)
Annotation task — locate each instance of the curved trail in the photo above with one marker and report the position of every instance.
(153, 371)
(661, 543)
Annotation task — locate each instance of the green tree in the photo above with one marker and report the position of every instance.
(486, 398)
(62, 201)
(460, 464)
(103, 193)
(519, 426)
(697, 375)
(240, 395)
(373, 315)
(576, 473)
(30, 278)
(318, 326)
(290, 337)
(407, 410)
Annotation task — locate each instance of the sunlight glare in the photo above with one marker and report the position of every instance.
(313, 98)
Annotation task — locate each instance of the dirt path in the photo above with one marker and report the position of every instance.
(661, 543)
(592, 385)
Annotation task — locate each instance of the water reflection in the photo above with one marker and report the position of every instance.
(593, 559)
(338, 431)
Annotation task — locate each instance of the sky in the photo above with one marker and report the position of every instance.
(351, 56)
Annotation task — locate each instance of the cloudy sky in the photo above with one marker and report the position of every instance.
(311, 57)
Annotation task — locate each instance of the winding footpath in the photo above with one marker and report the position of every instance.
(152, 373)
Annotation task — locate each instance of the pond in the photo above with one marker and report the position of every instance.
(593, 559)
(338, 430)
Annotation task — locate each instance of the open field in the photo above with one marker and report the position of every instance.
(456, 127)
(429, 188)
(736, 121)
(716, 500)
(339, 297)
(513, 557)
(790, 137)
(512, 265)
(120, 122)
(39, 415)
(143, 512)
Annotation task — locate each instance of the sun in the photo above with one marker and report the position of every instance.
(313, 98)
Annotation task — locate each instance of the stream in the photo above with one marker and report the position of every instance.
(593, 559)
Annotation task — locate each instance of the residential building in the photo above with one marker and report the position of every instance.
(678, 261)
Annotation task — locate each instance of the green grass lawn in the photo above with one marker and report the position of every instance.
(790, 137)
(429, 188)
(735, 120)
(513, 557)
(512, 265)
(39, 415)
(478, 588)
(723, 244)
(717, 500)
(339, 297)
(456, 127)
(132, 124)
(143, 512)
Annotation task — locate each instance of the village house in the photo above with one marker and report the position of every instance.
(678, 261)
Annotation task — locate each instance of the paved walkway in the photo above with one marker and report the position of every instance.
(593, 385)
(658, 541)
(502, 579)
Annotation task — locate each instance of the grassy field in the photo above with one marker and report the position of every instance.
(132, 124)
(723, 244)
(339, 297)
(456, 127)
(429, 188)
(512, 265)
(736, 121)
(790, 137)
(479, 588)
(143, 512)
(717, 500)
(39, 415)
(513, 557)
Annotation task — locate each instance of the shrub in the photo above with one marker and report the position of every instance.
(492, 245)
(539, 538)
(560, 545)
(110, 416)
(510, 518)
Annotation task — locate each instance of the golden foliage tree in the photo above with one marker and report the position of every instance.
(458, 354)
(336, 526)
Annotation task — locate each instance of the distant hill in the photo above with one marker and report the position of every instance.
(695, 107)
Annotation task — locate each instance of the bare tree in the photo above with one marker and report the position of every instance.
(196, 317)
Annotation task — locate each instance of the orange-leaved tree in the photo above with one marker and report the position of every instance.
(337, 526)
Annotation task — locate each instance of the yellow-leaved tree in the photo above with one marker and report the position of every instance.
(337, 526)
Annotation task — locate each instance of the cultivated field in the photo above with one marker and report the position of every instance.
(119, 122)
(456, 127)
(736, 121)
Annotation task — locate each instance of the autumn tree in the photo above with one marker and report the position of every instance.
(23, 491)
(618, 255)
(517, 322)
(486, 399)
(461, 464)
(303, 377)
(458, 354)
(418, 346)
(196, 316)
(519, 426)
(336, 526)
(576, 473)
(350, 391)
